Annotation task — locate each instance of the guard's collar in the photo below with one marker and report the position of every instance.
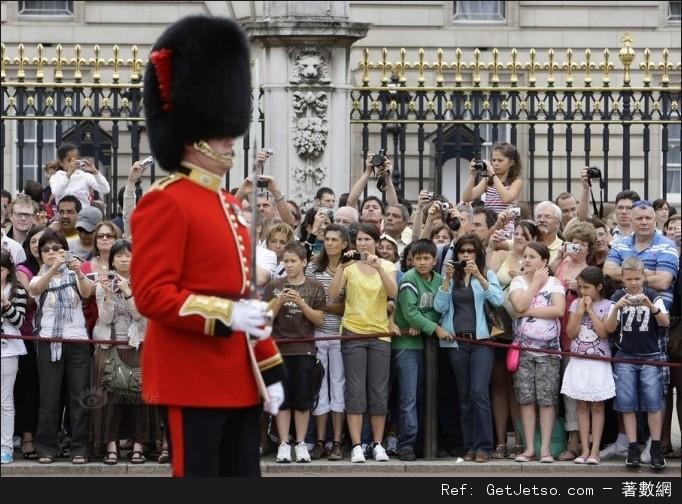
(200, 176)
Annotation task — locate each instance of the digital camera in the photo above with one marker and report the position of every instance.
(459, 265)
(68, 255)
(146, 163)
(329, 212)
(634, 299)
(111, 275)
(431, 195)
(262, 183)
(453, 222)
(516, 211)
(507, 235)
(481, 167)
(269, 152)
(593, 172)
(572, 247)
(445, 206)
(378, 159)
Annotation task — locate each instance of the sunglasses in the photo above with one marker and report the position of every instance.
(107, 236)
(642, 203)
(53, 248)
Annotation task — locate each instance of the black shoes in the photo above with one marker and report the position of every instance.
(634, 456)
(657, 460)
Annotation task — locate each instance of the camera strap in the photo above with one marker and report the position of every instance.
(600, 213)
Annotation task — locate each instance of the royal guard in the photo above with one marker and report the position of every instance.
(208, 357)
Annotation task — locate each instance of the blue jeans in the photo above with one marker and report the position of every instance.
(407, 367)
(473, 366)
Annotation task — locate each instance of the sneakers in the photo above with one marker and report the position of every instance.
(283, 453)
(379, 454)
(645, 457)
(357, 455)
(392, 444)
(336, 452)
(407, 455)
(613, 450)
(7, 458)
(657, 461)
(633, 459)
(301, 451)
(318, 451)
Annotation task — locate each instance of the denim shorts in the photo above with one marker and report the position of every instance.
(638, 386)
(537, 379)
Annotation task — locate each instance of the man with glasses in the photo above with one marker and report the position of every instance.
(624, 204)
(548, 219)
(22, 214)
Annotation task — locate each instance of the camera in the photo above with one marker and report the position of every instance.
(329, 212)
(81, 164)
(516, 211)
(593, 172)
(269, 152)
(146, 163)
(111, 275)
(262, 183)
(356, 256)
(431, 195)
(445, 206)
(572, 247)
(481, 167)
(378, 159)
(459, 265)
(507, 235)
(68, 255)
(634, 299)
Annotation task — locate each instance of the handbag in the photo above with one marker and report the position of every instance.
(513, 357)
(118, 377)
(498, 320)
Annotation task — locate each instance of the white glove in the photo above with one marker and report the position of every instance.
(253, 317)
(276, 393)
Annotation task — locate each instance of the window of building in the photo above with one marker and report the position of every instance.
(34, 149)
(674, 12)
(480, 11)
(674, 169)
(46, 9)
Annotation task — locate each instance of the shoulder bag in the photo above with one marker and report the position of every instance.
(119, 378)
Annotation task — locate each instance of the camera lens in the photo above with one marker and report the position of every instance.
(378, 160)
(445, 206)
(480, 166)
(593, 172)
(453, 223)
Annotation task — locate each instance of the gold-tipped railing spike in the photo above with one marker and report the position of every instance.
(665, 66)
(647, 66)
(136, 65)
(364, 65)
(495, 66)
(606, 65)
(458, 67)
(588, 66)
(116, 61)
(40, 61)
(97, 62)
(59, 61)
(421, 65)
(532, 66)
(21, 73)
(476, 66)
(439, 65)
(3, 62)
(78, 61)
(569, 66)
(626, 55)
(514, 66)
(384, 65)
(402, 79)
(550, 66)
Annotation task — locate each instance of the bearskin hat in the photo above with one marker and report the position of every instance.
(197, 86)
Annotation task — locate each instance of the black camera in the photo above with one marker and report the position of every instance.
(262, 182)
(378, 159)
(481, 166)
(593, 172)
(453, 222)
(459, 265)
(356, 256)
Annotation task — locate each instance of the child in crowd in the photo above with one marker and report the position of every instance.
(299, 306)
(638, 313)
(414, 316)
(590, 381)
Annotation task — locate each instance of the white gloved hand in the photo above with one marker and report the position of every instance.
(276, 393)
(253, 317)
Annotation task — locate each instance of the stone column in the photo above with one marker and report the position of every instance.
(303, 67)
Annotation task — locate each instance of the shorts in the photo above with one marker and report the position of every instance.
(537, 380)
(638, 386)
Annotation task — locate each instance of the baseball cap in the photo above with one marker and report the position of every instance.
(88, 218)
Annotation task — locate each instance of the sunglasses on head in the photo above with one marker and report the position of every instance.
(642, 203)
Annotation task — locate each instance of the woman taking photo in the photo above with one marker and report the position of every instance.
(369, 282)
(323, 268)
(119, 319)
(468, 284)
(539, 300)
(58, 289)
(507, 265)
(76, 176)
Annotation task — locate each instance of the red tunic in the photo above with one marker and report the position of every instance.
(191, 255)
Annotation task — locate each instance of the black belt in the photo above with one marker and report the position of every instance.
(465, 335)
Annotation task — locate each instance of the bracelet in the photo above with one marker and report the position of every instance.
(656, 313)
(279, 198)
(127, 297)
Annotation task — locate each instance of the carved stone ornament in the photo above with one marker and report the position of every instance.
(308, 178)
(310, 67)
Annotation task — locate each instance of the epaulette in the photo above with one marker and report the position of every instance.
(163, 183)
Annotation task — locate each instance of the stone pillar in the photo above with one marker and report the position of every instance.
(303, 67)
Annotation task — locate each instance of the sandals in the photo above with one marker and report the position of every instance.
(111, 458)
(45, 459)
(79, 460)
(137, 458)
(164, 457)
(524, 458)
(514, 452)
(567, 455)
(500, 452)
(29, 455)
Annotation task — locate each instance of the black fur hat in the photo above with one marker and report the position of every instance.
(197, 86)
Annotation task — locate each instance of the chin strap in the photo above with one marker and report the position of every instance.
(210, 152)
